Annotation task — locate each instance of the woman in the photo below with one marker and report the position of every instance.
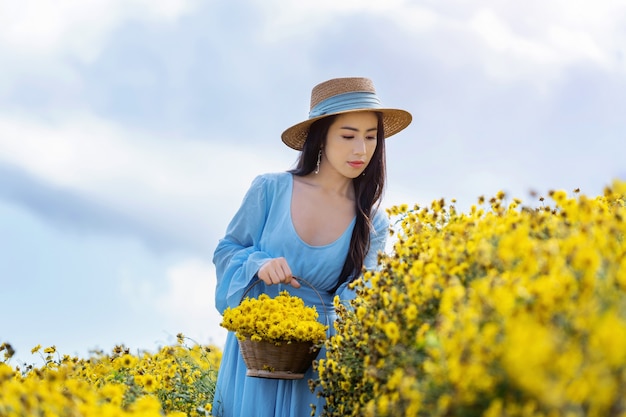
(318, 221)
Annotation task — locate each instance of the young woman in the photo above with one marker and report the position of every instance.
(318, 221)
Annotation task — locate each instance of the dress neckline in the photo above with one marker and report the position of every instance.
(293, 227)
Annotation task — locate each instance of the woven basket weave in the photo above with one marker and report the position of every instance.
(287, 360)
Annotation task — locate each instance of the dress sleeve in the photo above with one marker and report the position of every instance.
(237, 257)
(378, 241)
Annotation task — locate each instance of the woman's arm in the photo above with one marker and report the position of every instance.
(237, 257)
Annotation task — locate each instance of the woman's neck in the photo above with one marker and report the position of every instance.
(331, 184)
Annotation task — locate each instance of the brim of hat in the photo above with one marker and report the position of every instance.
(394, 120)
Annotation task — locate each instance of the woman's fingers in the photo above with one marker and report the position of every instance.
(285, 271)
(276, 271)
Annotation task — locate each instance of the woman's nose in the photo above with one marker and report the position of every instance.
(360, 147)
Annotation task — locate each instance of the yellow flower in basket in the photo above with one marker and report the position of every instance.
(284, 318)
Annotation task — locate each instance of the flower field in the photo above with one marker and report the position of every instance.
(502, 311)
(176, 381)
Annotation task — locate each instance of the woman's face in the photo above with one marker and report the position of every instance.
(350, 143)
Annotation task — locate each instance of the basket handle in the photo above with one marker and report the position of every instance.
(259, 281)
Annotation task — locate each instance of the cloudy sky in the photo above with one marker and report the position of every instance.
(130, 130)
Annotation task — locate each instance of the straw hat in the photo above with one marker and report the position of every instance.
(345, 95)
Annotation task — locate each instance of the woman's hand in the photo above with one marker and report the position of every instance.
(277, 271)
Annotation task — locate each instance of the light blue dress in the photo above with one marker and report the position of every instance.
(262, 229)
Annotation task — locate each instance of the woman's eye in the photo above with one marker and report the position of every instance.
(371, 137)
(348, 137)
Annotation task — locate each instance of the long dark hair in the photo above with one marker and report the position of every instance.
(368, 190)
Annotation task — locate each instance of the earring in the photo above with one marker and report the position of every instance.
(319, 159)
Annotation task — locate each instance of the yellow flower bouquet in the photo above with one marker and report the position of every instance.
(279, 337)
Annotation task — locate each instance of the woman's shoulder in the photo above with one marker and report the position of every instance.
(380, 219)
(271, 179)
(270, 185)
(282, 176)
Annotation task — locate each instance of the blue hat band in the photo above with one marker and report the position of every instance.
(346, 101)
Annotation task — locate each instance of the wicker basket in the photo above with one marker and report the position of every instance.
(287, 360)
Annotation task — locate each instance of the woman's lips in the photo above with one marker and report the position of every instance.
(356, 164)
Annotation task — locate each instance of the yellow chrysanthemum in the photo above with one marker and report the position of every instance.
(283, 318)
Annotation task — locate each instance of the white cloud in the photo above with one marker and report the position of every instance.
(189, 301)
(184, 303)
(284, 20)
(532, 41)
(575, 45)
(44, 40)
(547, 52)
(176, 184)
(90, 154)
(496, 34)
(76, 27)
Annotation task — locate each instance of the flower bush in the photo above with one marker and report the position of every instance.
(177, 381)
(284, 318)
(502, 311)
